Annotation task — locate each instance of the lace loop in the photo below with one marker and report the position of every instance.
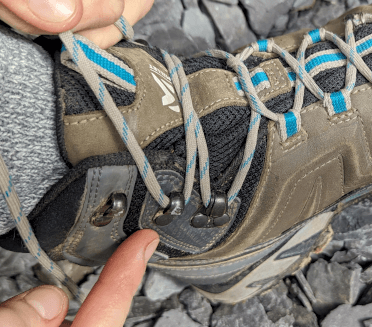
(288, 123)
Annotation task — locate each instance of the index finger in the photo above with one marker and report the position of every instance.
(85, 14)
(109, 301)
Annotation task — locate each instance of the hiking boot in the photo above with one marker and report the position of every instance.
(245, 158)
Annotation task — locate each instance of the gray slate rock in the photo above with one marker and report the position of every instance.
(352, 3)
(304, 318)
(366, 296)
(8, 288)
(300, 4)
(190, 4)
(159, 287)
(366, 275)
(367, 323)
(25, 282)
(355, 255)
(175, 318)
(286, 321)
(332, 247)
(276, 302)
(333, 284)
(228, 2)
(250, 313)
(346, 316)
(300, 20)
(353, 218)
(199, 27)
(88, 285)
(231, 24)
(142, 309)
(173, 39)
(149, 323)
(198, 308)
(262, 14)
(13, 263)
(172, 303)
(327, 12)
(166, 13)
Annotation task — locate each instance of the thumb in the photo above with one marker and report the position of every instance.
(33, 16)
(109, 301)
(43, 306)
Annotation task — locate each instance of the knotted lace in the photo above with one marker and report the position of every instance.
(288, 123)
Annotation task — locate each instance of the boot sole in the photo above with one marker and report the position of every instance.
(263, 266)
(312, 237)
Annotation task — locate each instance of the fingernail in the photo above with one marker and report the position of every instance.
(151, 249)
(48, 302)
(52, 10)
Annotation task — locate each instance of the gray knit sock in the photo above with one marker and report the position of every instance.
(28, 141)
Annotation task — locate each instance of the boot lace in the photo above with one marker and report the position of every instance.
(288, 124)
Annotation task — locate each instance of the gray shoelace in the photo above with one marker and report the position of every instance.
(288, 123)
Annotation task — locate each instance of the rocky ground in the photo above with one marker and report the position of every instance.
(335, 289)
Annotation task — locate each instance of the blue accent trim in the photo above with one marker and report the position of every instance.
(290, 123)
(188, 121)
(107, 64)
(259, 77)
(161, 196)
(255, 103)
(254, 122)
(315, 35)
(145, 168)
(262, 45)
(238, 86)
(292, 76)
(197, 128)
(338, 102)
(231, 198)
(191, 163)
(364, 46)
(245, 163)
(204, 170)
(125, 132)
(323, 59)
(186, 86)
(101, 92)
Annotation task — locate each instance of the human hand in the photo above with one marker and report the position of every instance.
(93, 19)
(107, 304)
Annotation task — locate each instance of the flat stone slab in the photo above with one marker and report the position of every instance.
(249, 313)
(198, 308)
(160, 287)
(333, 284)
(176, 318)
(263, 14)
(231, 23)
(347, 316)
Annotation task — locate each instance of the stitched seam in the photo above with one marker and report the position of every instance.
(365, 139)
(295, 146)
(214, 275)
(271, 73)
(344, 115)
(343, 121)
(79, 233)
(341, 175)
(259, 189)
(291, 194)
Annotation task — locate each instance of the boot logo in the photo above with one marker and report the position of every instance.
(165, 84)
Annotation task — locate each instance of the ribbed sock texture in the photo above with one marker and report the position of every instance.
(28, 141)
